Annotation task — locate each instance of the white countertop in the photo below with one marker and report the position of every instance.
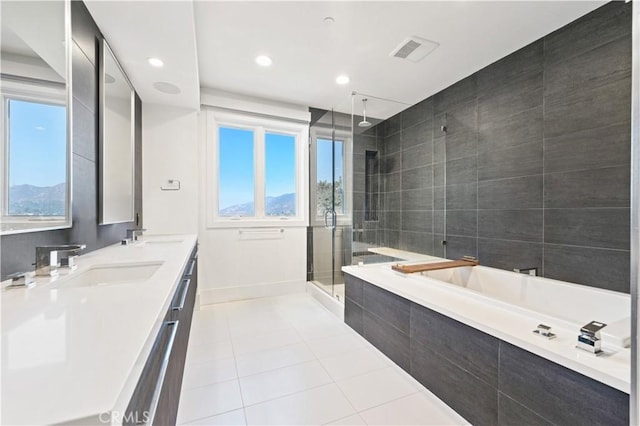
(74, 353)
(612, 368)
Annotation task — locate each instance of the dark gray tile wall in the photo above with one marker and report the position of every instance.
(486, 380)
(366, 230)
(574, 397)
(380, 317)
(406, 219)
(533, 168)
(18, 251)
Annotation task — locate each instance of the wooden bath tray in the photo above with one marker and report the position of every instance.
(422, 267)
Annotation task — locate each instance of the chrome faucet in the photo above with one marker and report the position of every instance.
(47, 257)
(589, 338)
(529, 271)
(134, 233)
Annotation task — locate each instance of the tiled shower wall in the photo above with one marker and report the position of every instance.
(525, 163)
(366, 231)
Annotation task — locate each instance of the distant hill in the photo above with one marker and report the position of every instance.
(29, 200)
(282, 205)
(245, 209)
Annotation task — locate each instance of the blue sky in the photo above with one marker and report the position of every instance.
(236, 169)
(280, 173)
(37, 152)
(324, 159)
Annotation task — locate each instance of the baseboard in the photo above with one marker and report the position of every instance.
(208, 296)
(331, 303)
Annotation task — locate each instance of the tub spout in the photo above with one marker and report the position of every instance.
(530, 271)
(589, 338)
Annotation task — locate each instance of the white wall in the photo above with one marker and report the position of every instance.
(232, 266)
(235, 266)
(169, 151)
(256, 262)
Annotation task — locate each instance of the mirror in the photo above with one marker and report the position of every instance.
(116, 141)
(35, 111)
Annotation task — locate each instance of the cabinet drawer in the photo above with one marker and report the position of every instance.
(145, 406)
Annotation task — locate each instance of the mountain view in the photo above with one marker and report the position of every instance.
(282, 205)
(29, 200)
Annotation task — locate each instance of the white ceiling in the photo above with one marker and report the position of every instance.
(137, 30)
(308, 54)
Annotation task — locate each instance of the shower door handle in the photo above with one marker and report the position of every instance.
(333, 219)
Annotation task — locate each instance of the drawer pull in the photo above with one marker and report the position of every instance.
(183, 297)
(155, 400)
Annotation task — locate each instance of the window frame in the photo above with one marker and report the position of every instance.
(342, 219)
(42, 92)
(260, 125)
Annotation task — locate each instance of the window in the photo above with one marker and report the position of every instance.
(330, 174)
(280, 175)
(328, 177)
(34, 166)
(40, 188)
(255, 171)
(236, 172)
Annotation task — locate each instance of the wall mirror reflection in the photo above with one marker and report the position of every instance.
(35, 115)
(116, 141)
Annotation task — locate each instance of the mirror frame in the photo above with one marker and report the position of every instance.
(68, 220)
(105, 49)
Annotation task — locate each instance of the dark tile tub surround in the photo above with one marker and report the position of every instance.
(18, 251)
(532, 164)
(486, 380)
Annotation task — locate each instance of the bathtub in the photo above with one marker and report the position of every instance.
(558, 303)
(509, 306)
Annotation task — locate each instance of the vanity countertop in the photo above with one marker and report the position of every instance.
(76, 353)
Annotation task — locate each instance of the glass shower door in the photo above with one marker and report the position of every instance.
(330, 237)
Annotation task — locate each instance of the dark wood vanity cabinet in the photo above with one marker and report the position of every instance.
(157, 395)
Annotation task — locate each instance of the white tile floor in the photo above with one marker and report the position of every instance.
(288, 361)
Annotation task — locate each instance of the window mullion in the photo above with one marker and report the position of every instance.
(260, 171)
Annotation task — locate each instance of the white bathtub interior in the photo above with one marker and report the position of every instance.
(561, 303)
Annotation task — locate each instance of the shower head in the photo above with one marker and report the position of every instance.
(364, 122)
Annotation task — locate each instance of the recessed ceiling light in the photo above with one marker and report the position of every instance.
(329, 20)
(155, 62)
(342, 79)
(168, 88)
(264, 61)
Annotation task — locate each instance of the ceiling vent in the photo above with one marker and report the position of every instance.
(414, 49)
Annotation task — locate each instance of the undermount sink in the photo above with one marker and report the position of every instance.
(103, 275)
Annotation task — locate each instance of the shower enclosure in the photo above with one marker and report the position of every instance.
(331, 200)
(349, 215)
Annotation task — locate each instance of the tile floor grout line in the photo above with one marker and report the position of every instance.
(363, 346)
(389, 402)
(288, 395)
(208, 417)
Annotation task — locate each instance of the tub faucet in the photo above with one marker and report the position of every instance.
(589, 338)
(47, 257)
(529, 271)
